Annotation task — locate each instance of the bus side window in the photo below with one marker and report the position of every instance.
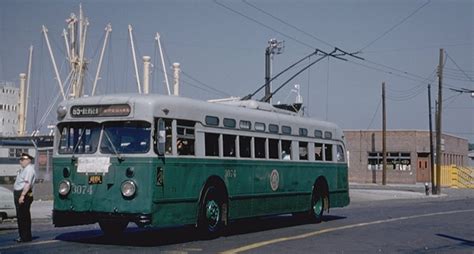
(340, 154)
(229, 145)
(260, 148)
(303, 150)
(286, 149)
(169, 136)
(273, 148)
(211, 144)
(318, 151)
(185, 137)
(244, 144)
(328, 152)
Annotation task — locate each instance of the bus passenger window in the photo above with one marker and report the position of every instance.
(318, 151)
(229, 145)
(340, 154)
(303, 150)
(273, 148)
(169, 136)
(185, 137)
(260, 148)
(328, 152)
(212, 144)
(244, 143)
(286, 149)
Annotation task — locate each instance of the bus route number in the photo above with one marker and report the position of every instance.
(81, 189)
(230, 173)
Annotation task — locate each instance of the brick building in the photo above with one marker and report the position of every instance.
(408, 155)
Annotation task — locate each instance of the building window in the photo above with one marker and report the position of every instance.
(395, 161)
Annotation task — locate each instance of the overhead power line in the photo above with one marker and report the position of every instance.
(395, 26)
(264, 25)
(287, 23)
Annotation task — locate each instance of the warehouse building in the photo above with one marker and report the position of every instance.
(408, 155)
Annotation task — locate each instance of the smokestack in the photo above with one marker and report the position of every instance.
(176, 70)
(21, 114)
(146, 74)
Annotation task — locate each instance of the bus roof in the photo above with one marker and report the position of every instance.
(145, 107)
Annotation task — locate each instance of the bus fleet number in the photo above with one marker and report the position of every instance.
(81, 189)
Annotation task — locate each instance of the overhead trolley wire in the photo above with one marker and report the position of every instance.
(395, 26)
(288, 24)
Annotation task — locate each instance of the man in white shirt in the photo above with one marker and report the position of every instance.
(23, 195)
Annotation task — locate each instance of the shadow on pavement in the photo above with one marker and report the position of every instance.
(175, 235)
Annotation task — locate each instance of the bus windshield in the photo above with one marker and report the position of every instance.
(125, 137)
(78, 138)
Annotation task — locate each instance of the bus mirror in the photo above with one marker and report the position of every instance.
(160, 145)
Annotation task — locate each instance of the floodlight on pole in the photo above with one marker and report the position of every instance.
(274, 47)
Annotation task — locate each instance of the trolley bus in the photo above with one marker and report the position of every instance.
(157, 160)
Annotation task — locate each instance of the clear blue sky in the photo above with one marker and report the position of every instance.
(225, 51)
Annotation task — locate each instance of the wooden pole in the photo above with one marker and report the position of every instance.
(438, 122)
(384, 133)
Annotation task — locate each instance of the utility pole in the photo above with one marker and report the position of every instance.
(438, 122)
(433, 186)
(274, 47)
(384, 136)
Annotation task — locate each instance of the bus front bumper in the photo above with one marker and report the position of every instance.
(68, 218)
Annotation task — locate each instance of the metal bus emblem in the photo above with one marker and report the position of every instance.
(274, 180)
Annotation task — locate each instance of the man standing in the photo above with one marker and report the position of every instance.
(23, 195)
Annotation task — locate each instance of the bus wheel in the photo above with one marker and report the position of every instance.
(211, 211)
(113, 228)
(317, 205)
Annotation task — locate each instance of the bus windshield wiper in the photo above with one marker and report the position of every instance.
(119, 157)
(79, 140)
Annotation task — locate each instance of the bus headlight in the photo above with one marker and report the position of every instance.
(128, 188)
(64, 187)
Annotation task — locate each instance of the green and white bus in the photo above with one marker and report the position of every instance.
(159, 160)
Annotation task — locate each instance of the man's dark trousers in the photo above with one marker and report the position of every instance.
(23, 215)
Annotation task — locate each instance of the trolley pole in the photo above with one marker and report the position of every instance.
(433, 186)
(438, 122)
(384, 136)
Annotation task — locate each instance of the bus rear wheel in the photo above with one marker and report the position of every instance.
(113, 228)
(210, 222)
(318, 200)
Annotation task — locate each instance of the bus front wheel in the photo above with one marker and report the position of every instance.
(113, 228)
(210, 222)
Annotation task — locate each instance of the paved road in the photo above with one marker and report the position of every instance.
(403, 222)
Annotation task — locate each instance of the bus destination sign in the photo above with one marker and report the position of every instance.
(100, 110)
